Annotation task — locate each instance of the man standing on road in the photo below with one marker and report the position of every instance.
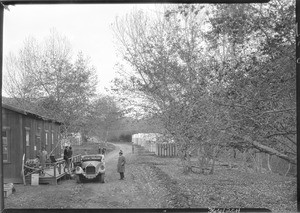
(121, 165)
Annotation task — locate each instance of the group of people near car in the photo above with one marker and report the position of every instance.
(120, 166)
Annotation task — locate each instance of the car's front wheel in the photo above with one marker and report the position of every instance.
(101, 178)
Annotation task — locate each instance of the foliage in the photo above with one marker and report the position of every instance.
(258, 68)
(217, 76)
(45, 75)
(102, 116)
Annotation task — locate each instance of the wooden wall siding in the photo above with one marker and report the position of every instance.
(17, 124)
(31, 124)
(13, 120)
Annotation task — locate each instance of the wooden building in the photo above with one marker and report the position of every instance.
(24, 132)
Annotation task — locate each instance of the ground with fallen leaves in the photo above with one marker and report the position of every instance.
(155, 182)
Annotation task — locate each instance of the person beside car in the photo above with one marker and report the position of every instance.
(70, 154)
(66, 157)
(121, 165)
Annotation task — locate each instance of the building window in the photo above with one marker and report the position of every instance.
(46, 137)
(6, 144)
(38, 131)
(27, 136)
(52, 138)
(37, 146)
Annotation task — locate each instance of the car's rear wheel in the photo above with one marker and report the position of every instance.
(101, 178)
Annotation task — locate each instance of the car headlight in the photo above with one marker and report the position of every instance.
(78, 170)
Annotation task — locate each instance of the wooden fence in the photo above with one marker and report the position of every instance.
(150, 142)
(166, 149)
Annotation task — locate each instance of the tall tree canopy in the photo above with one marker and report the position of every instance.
(218, 75)
(47, 76)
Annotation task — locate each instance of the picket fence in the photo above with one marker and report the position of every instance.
(166, 149)
(150, 143)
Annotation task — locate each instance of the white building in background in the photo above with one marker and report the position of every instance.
(71, 140)
(156, 143)
(147, 140)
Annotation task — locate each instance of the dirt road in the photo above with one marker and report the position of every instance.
(155, 182)
(140, 189)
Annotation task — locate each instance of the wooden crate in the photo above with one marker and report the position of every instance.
(7, 192)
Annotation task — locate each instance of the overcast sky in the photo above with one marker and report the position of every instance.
(86, 26)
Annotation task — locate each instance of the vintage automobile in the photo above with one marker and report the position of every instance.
(91, 167)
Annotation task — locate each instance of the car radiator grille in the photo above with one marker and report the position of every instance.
(90, 170)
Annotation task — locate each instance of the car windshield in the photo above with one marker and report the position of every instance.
(92, 157)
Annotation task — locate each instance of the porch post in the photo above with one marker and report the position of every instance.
(1, 143)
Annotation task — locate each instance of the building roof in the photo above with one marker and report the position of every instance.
(14, 105)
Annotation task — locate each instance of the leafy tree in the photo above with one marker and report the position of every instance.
(171, 72)
(258, 68)
(103, 114)
(45, 75)
(212, 75)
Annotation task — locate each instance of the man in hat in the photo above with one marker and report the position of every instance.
(121, 165)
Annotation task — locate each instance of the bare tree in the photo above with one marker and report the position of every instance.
(45, 77)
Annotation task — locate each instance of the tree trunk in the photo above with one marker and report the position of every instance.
(257, 159)
(214, 155)
(254, 163)
(289, 168)
(229, 159)
(268, 162)
(186, 162)
(189, 164)
(270, 150)
(202, 159)
(245, 161)
(259, 162)
(234, 153)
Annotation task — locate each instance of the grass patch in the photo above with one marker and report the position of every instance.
(226, 188)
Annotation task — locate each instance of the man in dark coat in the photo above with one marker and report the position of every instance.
(121, 165)
(66, 158)
(66, 154)
(70, 154)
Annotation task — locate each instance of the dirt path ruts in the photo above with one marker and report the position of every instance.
(140, 189)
